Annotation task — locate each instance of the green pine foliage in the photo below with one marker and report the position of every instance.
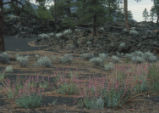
(90, 8)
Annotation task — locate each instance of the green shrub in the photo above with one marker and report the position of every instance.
(153, 77)
(9, 69)
(43, 35)
(103, 56)
(87, 56)
(2, 76)
(97, 61)
(23, 60)
(137, 59)
(140, 57)
(122, 45)
(44, 61)
(67, 58)
(150, 57)
(109, 67)
(141, 85)
(4, 58)
(53, 58)
(37, 56)
(68, 88)
(30, 101)
(114, 97)
(93, 103)
(115, 59)
(44, 84)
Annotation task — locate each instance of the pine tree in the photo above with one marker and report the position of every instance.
(93, 12)
(145, 14)
(1, 27)
(126, 12)
(152, 14)
(61, 10)
(156, 8)
(111, 7)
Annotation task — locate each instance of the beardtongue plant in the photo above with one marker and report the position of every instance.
(26, 93)
(115, 93)
(68, 86)
(117, 89)
(153, 78)
(91, 95)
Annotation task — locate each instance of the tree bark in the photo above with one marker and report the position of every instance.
(126, 13)
(109, 5)
(68, 10)
(1, 27)
(157, 20)
(55, 16)
(94, 25)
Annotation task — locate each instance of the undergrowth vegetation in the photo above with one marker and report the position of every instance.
(125, 81)
(23, 60)
(44, 61)
(26, 93)
(67, 58)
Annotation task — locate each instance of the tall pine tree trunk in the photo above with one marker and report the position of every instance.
(126, 13)
(1, 27)
(55, 16)
(157, 17)
(68, 10)
(94, 25)
(109, 6)
(157, 20)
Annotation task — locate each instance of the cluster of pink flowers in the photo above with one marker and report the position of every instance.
(24, 87)
(131, 74)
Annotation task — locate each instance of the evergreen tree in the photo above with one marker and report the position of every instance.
(61, 10)
(145, 14)
(126, 12)
(156, 8)
(111, 7)
(152, 14)
(1, 27)
(92, 12)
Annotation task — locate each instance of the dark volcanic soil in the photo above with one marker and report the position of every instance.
(19, 44)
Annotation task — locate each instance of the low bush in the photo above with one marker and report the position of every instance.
(137, 59)
(4, 58)
(9, 69)
(122, 45)
(116, 91)
(109, 67)
(53, 58)
(23, 60)
(37, 56)
(93, 103)
(153, 78)
(67, 58)
(140, 57)
(97, 61)
(44, 61)
(150, 57)
(68, 88)
(30, 101)
(103, 56)
(87, 56)
(115, 59)
(26, 93)
(2, 76)
(43, 35)
(115, 97)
